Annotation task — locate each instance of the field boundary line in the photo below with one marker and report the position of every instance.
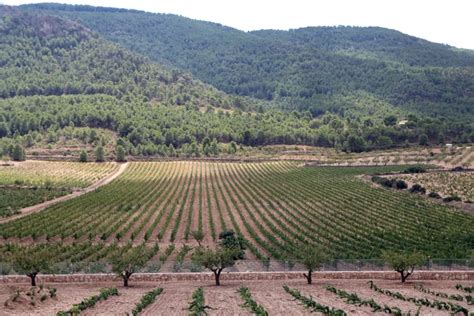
(242, 276)
(39, 207)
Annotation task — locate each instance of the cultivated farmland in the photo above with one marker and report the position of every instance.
(29, 183)
(276, 206)
(175, 298)
(54, 173)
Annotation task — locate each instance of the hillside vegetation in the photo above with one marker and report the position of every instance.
(314, 68)
(57, 74)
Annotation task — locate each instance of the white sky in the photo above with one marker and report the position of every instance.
(449, 22)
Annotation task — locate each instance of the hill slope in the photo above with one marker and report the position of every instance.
(310, 68)
(55, 73)
(46, 55)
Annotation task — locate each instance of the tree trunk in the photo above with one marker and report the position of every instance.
(125, 277)
(404, 276)
(33, 278)
(309, 276)
(217, 275)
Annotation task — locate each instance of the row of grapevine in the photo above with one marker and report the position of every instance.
(67, 174)
(276, 206)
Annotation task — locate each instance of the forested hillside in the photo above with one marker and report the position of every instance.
(56, 74)
(315, 68)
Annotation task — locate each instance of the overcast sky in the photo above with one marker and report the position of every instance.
(449, 22)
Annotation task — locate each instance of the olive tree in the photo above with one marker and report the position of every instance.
(403, 262)
(215, 260)
(126, 263)
(313, 258)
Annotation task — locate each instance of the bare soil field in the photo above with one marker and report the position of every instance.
(225, 300)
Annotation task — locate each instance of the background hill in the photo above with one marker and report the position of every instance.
(60, 69)
(56, 74)
(314, 68)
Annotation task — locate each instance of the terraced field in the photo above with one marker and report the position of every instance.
(441, 156)
(453, 183)
(54, 173)
(276, 206)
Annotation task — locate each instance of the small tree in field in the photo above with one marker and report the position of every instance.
(126, 263)
(313, 258)
(31, 263)
(215, 260)
(403, 262)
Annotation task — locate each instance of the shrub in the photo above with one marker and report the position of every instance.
(416, 188)
(434, 195)
(400, 184)
(451, 198)
(383, 181)
(415, 169)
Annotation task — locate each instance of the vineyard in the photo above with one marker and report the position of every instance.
(29, 183)
(14, 199)
(275, 206)
(57, 174)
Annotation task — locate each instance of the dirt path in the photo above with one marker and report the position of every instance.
(39, 207)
